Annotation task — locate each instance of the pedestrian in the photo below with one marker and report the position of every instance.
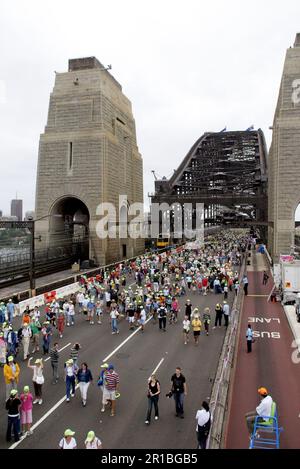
(12, 405)
(245, 282)
(236, 287)
(70, 377)
(206, 320)
(203, 425)
(26, 335)
(3, 350)
(84, 377)
(186, 329)
(60, 323)
(38, 379)
(226, 311)
(265, 278)
(10, 308)
(249, 337)
(162, 317)
(71, 313)
(188, 309)
(142, 319)
(26, 411)
(35, 327)
(225, 290)
(11, 373)
(110, 387)
(178, 390)
(74, 352)
(54, 356)
(219, 313)
(92, 441)
(99, 311)
(68, 441)
(46, 333)
(131, 316)
(153, 393)
(114, 314)
(264, 409)
(196, 325)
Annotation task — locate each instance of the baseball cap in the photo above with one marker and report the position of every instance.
(26, 389)
(10, 358)
(69, 432)
(38, 361)
(90, 436)
(70, 361)
(263, 391)
(105, 365)
(13, 392)
(111, 367)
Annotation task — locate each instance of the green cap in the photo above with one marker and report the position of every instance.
(26, 389)
(10, 358)
(90, 436)
(69, 432)
(13, 392)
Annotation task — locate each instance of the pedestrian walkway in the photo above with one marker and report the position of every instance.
(271, 364)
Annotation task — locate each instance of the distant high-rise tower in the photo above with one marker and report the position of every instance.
(88, 155)
(16, 209)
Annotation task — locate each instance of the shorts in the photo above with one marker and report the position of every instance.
(131, 319)
(142, 321)
(196, 333)
(109, 395)
(26, 417)
(186, 331)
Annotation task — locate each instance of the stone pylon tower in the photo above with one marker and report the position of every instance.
(88, 155)
(284, 158)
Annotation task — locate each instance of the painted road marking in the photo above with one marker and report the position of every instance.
(125, 341)
(155, 370)
(50, 411)
(59, 351)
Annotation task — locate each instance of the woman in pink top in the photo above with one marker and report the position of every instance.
(26, 411)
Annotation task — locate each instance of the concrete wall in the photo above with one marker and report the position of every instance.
(284, 157)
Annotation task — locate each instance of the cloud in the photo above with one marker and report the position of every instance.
(187, 67)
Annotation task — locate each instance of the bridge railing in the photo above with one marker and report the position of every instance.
(219, 395)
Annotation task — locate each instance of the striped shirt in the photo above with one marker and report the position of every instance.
(111, 380)
(54, 355)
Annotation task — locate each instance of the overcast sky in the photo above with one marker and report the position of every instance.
(187, 66)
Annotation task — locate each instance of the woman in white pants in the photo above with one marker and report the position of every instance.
(84, 377)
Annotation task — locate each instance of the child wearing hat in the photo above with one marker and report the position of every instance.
(92, 441)
(68, 441)
(26, 411)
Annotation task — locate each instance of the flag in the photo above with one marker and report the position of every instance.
(224, 130)
(250, 128)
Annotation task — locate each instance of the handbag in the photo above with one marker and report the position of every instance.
(40, 380)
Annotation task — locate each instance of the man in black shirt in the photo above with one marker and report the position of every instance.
(13, 404)
(179, 390)
(162, 317)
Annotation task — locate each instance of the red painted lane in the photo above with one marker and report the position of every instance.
(270, 365)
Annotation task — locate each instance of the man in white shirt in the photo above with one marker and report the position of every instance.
(226, 311)
(263, 410)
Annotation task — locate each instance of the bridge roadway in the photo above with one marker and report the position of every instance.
(269, 365)
(134, 362)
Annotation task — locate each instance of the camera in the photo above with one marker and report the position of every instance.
(169, 395)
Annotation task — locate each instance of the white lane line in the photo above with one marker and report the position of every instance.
(125, 341)
(154, 371)
(59, 350)
(50, 411)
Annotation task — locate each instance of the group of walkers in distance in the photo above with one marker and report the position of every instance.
(161, 280)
